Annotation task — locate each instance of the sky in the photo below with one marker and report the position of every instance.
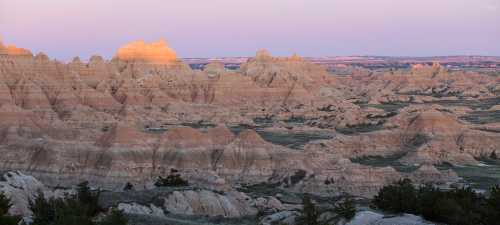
(216, 28)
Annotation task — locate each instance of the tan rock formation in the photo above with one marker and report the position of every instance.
(112, 122)
(12, 50)
(420, 134)
(139, 51)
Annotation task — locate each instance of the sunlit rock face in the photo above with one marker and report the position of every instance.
(12, 50)
(140, 51)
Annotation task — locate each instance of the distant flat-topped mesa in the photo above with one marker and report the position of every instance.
(12, 50)
(140, 51)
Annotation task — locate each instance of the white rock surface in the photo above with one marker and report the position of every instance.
(135, 208)
(285, 217)
(269, 203)
(204, 202)
(20, 188)
(373, 218)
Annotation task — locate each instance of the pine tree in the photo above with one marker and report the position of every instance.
(491, 212)
(5, 218)
(493, 155)
(77, 209)
(128, 187)
(4, 204)
(43, 210)
(88, 199)
(310, 215)
(397, 198)
(71, 211)
(345, 209)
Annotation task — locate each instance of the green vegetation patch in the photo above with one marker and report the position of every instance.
(459, 206)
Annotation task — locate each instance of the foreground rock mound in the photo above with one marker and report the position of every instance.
(372, 218)
(20, 189)
(232, 204)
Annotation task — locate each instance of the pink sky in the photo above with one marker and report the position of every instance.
(202, 28)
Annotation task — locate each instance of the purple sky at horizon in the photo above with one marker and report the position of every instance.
(195, 28)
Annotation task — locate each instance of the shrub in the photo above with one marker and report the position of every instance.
(71, 212)
(447, 210)
(493, 155)
(345, 209)
(172, 180)
(77, 209)
(297, 176)
(9, 220)
(428, 197)
(494, 199)
(88, 200)
(458, 207)
(128, 187)
(5, 218)
(43, 210)
(4, 204)
(491, 212)
(309, 215)
(398, 197)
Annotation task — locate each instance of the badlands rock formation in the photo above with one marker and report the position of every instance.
(428, 81)
(144, 114)
(233, 204)
(156, 52)
(13, 50)
(21, 188)
(421, 134)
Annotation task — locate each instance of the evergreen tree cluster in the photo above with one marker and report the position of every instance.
(5, 218)
(172, 180)
(310, 215)
(460, 206)
(78, 209)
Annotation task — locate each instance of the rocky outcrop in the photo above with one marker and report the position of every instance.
(21, 189)
(433, 81)
(12, 50)
(428, 174)
(333, 175)
(285, 217)
(419, 135)
(361, 218)
(269, 204)
(232, 204)
(156, 52)
(136, 209)
(373, 218)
